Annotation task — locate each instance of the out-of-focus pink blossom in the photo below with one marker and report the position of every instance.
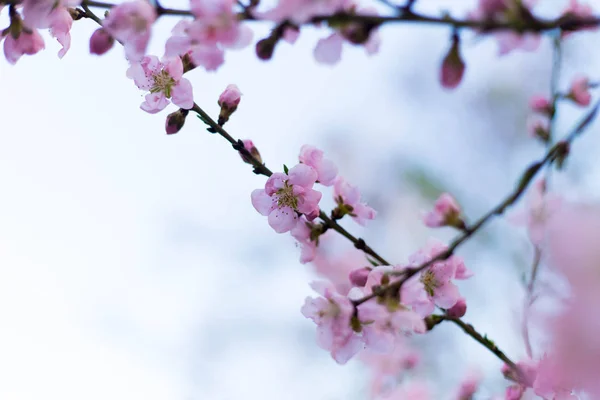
(286, 195)
(101, 42)
(26, 43)
(347, 197)
(468, 386)
(302, 233)
(337, 268)
(333, 313)
(164, 80)
(540, 104)
(326, 169)
(230, 97)
(539, 208)
(453, 66)
(300, 11)
(579, 92)
(458, 310)
(131, 23)
(446, 212)
(548, 383)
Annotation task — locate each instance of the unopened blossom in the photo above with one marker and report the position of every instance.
(359, 276)
(249, 145)
(541, 104)
(175, 121)
(349, 202)
(25, 43)
(164, 80)
(286, 195)
(579, 92)
(453, 66)
(333, 313)
(302, 232)
(325, 168)
(229, 101)
(446, 212)
(538, 209)
(539, 129)
(458, 310)
(130, 23)
(101, 42)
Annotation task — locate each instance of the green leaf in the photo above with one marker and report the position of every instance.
(285, 169)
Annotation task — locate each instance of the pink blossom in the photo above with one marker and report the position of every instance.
(230, 97)
(359, 276)
(458, 310)
(539, 207)
(469, 386)
(325, 168)
(214, 28)
(302, 233)
(164, 80)
(446, 212)
(580, 93)
(291, 34)
(541, 104)
(286, 195)
(333, 313)
(509, 41)
(347, 197)
(548, 383)
(131, 23)
(101, 42)
(514, 392)
(453, 67)
(300, 11)
(249, 145)
(175, 121)
(329, 49)
(337, 268)
(436, 280)
(26, 43)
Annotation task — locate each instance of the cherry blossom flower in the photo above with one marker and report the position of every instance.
(548, 382)
(302, 233)
(214, 28)
(446, 212)
(579, 92)
(52, 14)
(325, 168)
(229, 101)
(541, 104)
(337, 268)
(285, 195)
(347, 197)
(333, 313)
(130, 23)
(164, 80)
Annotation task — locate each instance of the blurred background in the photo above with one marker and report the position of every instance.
(133, 265)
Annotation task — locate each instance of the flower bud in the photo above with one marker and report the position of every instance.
(358, 277)
(175, 121)
(446, 212)
(265, 48)
(540, 104)
(458, 310)
(580, 93)
(539, 129)
(101, 42)
(453, 67)
(248, 145)
(229, 101)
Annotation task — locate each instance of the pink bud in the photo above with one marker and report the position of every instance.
(101, 42)
(248, 145)
(514, 392)
(540, 104)
(579, 91)
(458, 310)
(358, 277)
(539, 129)
(453, 67)
(175, 121)
(229, 100)
(446, 212)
